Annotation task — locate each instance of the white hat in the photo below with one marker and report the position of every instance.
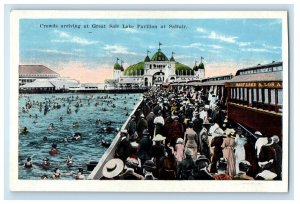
(218, 132)
(258, 133)
(159, 137)
(188, 152)
(142, 115)
(179, 141)
(113, 168)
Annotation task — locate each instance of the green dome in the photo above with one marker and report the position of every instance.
(147, 59)
(172, 59)
(181, 69)
(135, 69)
(117, 66)
(159, 56)
(201, 66)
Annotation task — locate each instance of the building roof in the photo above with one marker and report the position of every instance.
(39, 83)
(36, 70)
(270, 76)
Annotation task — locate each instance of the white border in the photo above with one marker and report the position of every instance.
(139, 186)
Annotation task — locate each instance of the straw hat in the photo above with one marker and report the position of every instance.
(159, 137)
(112, 168)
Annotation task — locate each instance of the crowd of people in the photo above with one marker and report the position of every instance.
(186, 135)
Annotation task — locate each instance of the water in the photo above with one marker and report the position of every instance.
(110, 109)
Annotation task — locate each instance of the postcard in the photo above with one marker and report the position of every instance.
(149, 101)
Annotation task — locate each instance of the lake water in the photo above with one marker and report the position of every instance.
(111, 109)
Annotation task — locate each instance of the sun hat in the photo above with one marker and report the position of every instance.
(112, 168)
(179, 141)
(159, 137)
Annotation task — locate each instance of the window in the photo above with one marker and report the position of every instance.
(259, 95)
(237, 93)
(250, 96)
(266, 96)
(279, 96)
(245, 94)
(254, 95)
(272, 97)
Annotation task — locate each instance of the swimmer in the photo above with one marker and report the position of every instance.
(69, 161)
(28, 163)
(53, 150)
(46, 163)
(80, 175)
(56, 174)
(77, 136)
(51, 126)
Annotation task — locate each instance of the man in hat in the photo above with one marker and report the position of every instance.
(112, 169)
(186, 167)
(124, 147)
(130, 168)
(244, 167)
(158, 149)
(168, 165)
(267, 153)
(148, 169)
(144, 147)
(216, 143)
(131, 128)
(141, 126)
(222, 167)
(203, 148)
(159, 124)
(278, 152)
(176, 130)
(150, 120)
(201, 173)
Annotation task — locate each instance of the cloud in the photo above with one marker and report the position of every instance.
(53, 51)
(118, 49)
(201, 30)
(259, 50)
(215, 46)
(222, 38)
(272, 47)
(243, 44)
(65, 37)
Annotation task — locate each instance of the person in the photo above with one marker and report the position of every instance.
(24, 131)
(148, 169)
(240, 153)
(77, 136)
(46, 163)
(56, 174)
(158, 149)
(221, 170)
(179, 150)
(124, 147)
(278, 152)
(190, 140)
(51, 127)
(203, 148)
(28, 163)
(177, 130)
(228, 153)
(168, 166)
(201, 172)
(267, 153)
(80, 175)
(69, 160)
(141, 126)
(216, 143)
(159, 124)
(266, 172)
(130, 168)
(131, 128)
(44, 177)
(144, 147)
(186, 167)
(150, 120)
(112, 169)
(244, 167)
(53, 150)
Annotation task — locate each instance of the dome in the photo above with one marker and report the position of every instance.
(181, 69)
(172, 59)
(159, 56)
(147, 59)
(201, 66)
(135, 69)
(117, 66)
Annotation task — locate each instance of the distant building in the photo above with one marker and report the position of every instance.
(155, 71)
(29, 73)
(38, 78)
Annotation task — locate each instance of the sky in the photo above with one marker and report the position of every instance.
(86, 49)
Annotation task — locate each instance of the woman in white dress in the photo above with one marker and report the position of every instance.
(240, 154)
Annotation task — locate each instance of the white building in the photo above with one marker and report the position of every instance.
(156, 71)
